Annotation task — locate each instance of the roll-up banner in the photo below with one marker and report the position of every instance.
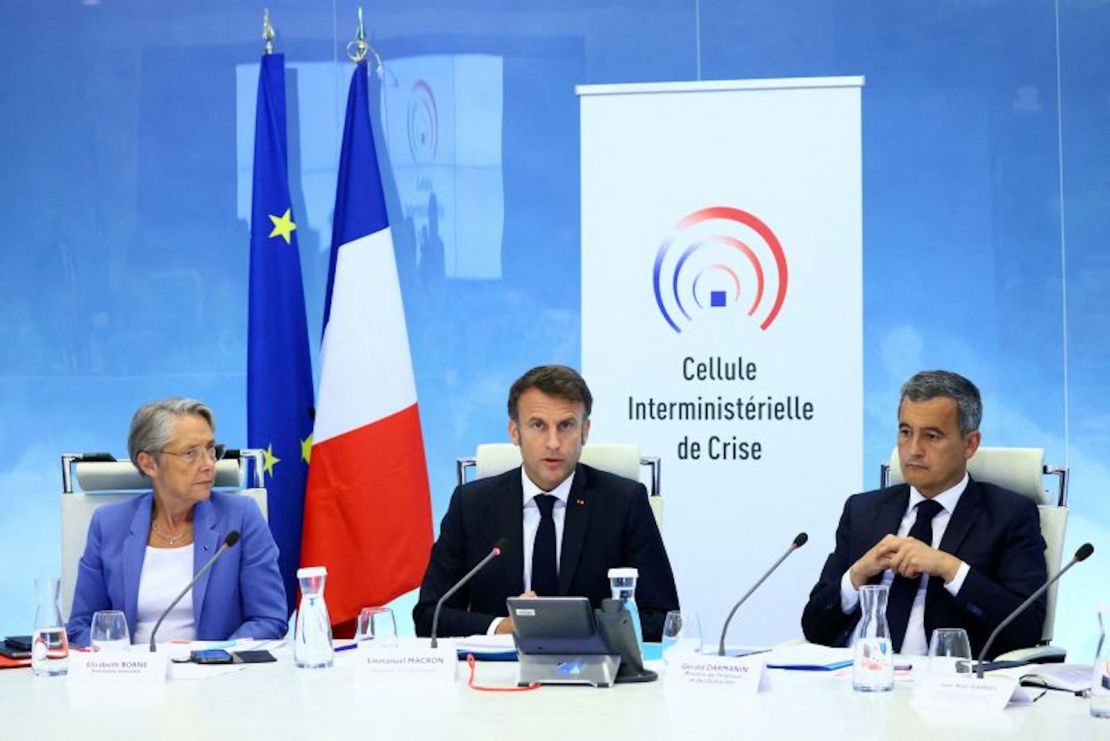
(722, 322)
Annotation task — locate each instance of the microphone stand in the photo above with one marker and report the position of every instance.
(231, 539)
(1081, 554)
(502, 543)
(798, 543)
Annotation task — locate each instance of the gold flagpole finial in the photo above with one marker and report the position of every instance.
(267, 33)
(358, 48)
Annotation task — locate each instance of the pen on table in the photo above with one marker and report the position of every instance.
(346, 647)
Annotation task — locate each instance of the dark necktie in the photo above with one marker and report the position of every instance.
(903, 590)
(545, 579)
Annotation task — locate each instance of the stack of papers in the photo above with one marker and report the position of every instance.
(1067, 677)
(810, 657)
(487, 648)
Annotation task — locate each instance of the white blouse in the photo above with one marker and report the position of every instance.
(165, 573)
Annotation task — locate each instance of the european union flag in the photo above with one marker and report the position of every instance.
(279, 367)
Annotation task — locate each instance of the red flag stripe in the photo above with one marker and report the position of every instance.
(367, 513)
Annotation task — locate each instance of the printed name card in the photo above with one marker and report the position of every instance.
(411, 662)
(745, 675)
(965, 691)
(88, 668)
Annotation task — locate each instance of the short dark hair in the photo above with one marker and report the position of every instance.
(931, 384)
(559, 381)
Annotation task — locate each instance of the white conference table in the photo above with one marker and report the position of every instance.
(278, 701)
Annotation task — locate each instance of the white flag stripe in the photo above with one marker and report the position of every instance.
(366, 368)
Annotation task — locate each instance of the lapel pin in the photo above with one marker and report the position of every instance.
(580, 502)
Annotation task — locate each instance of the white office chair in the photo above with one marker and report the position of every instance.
(623, 460)
(1021, 470)
(102, 480)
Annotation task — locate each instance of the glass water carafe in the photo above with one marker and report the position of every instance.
(312, 647)
(622, 585)
(49, 643)
(873, 668)
(1100, 674)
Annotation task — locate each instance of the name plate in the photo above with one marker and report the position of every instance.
(745, 675)
(965, 692)
(122, 667)
(409, 663)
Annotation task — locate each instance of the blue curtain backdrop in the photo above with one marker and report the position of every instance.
(126, 132)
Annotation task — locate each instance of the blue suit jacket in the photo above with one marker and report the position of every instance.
(995, 531)
(608, 523)
(240, 596)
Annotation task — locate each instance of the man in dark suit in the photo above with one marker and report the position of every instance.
(956, 553)
(566, 523)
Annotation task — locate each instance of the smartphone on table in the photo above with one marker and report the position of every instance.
(211, 656)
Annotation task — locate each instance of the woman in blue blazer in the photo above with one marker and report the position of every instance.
(142, 552)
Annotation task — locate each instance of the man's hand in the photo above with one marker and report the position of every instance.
(506, 625)
(913, 558)
(874, 562)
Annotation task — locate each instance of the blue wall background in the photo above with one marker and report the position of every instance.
(123, 276)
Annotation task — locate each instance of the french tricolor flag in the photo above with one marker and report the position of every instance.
(367, 508)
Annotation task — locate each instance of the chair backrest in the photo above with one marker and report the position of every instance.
(1021, 470)
(1017, 469)
(621, 459)
(103, 480)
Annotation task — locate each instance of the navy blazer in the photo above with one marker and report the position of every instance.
(993, 530)
(241, 596)
(609, 523)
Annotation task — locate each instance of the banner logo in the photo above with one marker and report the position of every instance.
(423, 122)
(720, 259)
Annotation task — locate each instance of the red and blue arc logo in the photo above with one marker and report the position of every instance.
(422, 122)
(714, 260)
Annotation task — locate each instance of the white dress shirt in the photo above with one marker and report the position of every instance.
(532, 518)
(914, 641)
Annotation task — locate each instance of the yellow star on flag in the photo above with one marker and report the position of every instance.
(306, 449)
(283, 226)
(269, 460)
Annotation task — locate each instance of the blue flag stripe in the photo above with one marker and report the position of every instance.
(359, 180)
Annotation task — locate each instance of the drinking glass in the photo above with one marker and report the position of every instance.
(681, 633)
(108, 631)
(377, 627)
(949, 651)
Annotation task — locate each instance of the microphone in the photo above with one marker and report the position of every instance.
(502, 544)
(231, 539)
(1081, 554)
(799, 540)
